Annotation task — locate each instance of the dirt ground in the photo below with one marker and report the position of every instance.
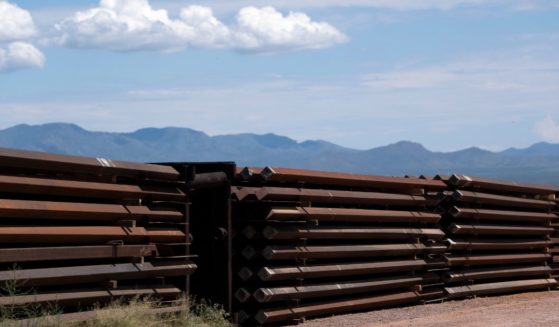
(527, 309)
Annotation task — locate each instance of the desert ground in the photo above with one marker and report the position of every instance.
(527, 309)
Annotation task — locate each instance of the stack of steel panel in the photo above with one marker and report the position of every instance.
(76, 231)
(555, 240)
(498, 235)
(310, 243)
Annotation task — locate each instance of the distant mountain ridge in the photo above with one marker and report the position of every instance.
(538, 163)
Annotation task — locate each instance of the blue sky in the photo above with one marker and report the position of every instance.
(361, 73)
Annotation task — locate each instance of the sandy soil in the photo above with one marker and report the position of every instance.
(527, 309)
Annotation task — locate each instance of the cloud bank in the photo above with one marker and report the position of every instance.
(20, 55)
(16, 24)
(548, 129)
(134, 25)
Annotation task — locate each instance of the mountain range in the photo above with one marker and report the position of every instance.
(538, 163)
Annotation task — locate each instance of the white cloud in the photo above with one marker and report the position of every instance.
(397, 5)
(20, 55)
(130, 25)
(517, 71)
(548, 129)
(15, 23)
(267, 28)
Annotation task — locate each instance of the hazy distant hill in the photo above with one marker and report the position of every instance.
(538, 163)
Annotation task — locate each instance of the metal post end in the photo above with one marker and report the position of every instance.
(249, 232)
(268, 253)
(242, 295)
(267, 173)
(246, 173)
(261, 317)
(248, 252)
(265, 274)
(269, 232)
(455, 212)
(245, 274)
(457, 195)
(263, 295)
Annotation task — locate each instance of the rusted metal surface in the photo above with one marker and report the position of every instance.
(460, 229)
(88, 234)
(301, 176)
(94, 273)
(500, 200)
(324, 234)
(94, 222)
(367, 303)
(244, 193)
(495, 185)
(55, 187)
(500, 287)
(40, 161)
(19, 255)
(498, 244)
(497, 259)
(347, 269)
(489, 273)
(313, 291)
(352, 215)
(333, 233)
(80, 211)
(292, 236)
(339, 197)
(501, 215)
(376, 250)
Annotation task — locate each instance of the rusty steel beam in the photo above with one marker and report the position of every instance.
(267, 316)
(248, 174)
(441, 177)
(501, 200)
(61, 210)
(244, 193)
(496, 259)
(346, 251)
(351, 215)
(94, 273)
(155, 214)
(301, 176)
(57, 187)
(501, 215)
(334, 270)
(17, 255)
(81, 211)
(40, 161)
(498, 244)
(460, 229)
(500, 287)
(340, 197)
(341, 232)
(548, 192)
(78, 297)
(89, 234)
(477, 274)
(271, 294)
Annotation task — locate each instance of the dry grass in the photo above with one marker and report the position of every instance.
(130, 314)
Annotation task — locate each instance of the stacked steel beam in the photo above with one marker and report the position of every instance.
(555, 240)
(498, 234)
(310, 243)
(76, 231)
